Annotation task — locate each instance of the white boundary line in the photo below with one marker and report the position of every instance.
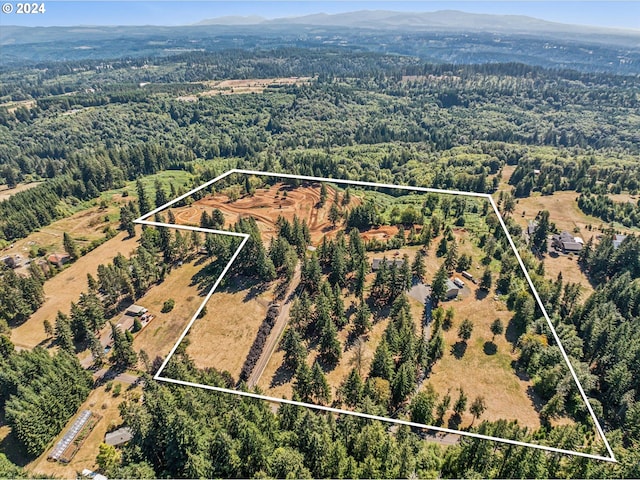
(244, 236)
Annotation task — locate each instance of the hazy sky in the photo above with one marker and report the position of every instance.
(624, 14)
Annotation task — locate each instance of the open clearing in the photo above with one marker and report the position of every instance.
(249, 85)
(67, 286)
(157, 338)
(84, 227)
(103, 403)
(6, 192)
(222, 338)
(492, 376)
(266, 205)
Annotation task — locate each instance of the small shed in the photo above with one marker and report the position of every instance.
(617, 240)
(59, 259)
(136, 310)
(118, 437)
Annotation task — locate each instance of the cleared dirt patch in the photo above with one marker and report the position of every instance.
(250, 85)
(266, 205)
(6, 192)
(67, 286)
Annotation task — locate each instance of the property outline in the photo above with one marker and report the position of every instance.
(158, 375)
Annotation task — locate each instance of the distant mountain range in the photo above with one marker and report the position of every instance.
(416, 21)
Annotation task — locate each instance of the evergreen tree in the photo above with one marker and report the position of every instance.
(539, 239)
(303, 382)
(70, 246)
(330, 347)
(461, 403)
(64, 334)
(123, 354)
(421, 407)
(417, 267)
(439, 286)
(294, 350)
(339, 316)
(143, 201)
(382, 365)
(465, 329)
(403, 382)
(352, 389)
(496, 328)
(487, 280)
(334, 215)
(362, 320)
(319, 385)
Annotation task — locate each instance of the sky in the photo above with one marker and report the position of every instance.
(617, 14)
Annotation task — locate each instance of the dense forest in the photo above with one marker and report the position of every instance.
(86, 126)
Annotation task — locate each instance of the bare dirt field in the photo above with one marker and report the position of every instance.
(159, 336)
(6, 192)
(250, 85)
(266, 205)
(67, 286)
(103, 403)
(223, 337)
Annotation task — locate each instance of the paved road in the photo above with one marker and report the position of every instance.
(276, 331)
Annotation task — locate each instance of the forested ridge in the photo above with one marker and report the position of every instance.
(366, 116)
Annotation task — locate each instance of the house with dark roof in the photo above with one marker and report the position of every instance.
(567, 243)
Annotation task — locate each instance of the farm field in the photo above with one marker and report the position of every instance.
(84, 227)
(242, 86)
(67, 286)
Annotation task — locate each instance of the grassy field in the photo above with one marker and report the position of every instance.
(159, 336)
(67, 286)
(223, 337)
(478, 373)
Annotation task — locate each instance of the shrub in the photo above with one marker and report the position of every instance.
(168, 305)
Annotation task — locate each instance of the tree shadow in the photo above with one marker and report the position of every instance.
(481, 294)
(512, 332)
(13, 449)
(454, 422)
(458, 349)
(490, 348)
(281, 376)
(326, 366)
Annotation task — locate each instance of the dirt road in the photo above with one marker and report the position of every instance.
(278, 328)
